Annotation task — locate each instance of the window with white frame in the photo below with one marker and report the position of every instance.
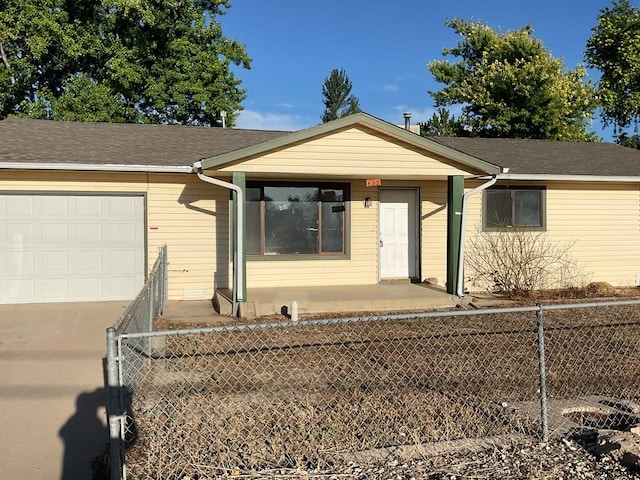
(302, 218)
(514, 207)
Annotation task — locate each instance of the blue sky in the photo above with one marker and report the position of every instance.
(384, 47)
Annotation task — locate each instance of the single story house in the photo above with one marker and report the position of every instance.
(356, 201)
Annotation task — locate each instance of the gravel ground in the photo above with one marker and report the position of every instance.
(557, 460)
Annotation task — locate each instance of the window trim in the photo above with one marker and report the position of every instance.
(346, 231)
(530, 188)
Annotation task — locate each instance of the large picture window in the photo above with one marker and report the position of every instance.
(514, 207)
(296, 218)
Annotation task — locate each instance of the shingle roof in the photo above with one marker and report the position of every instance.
(543, 157)
(46, 141)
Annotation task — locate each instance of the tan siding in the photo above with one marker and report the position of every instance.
(434, 231)
(190, 233)
(473, 226)
(353, 152)
(192, 217)
(602, 219)
(25, 180)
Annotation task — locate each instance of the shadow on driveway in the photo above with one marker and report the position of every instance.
(84, 435)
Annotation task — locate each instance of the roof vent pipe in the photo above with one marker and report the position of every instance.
(407, 120)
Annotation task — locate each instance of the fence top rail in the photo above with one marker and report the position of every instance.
(612, 303)
(123, 321)
(372, 318)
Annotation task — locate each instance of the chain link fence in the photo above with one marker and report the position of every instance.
(148, 305)
(137, 318)
(315, 394)
(592, 366)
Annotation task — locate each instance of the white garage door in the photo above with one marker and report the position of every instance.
(68, 248)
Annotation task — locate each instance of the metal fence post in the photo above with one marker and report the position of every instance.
(113, 408)
(544, 413)
(164, 278)
(151, 294)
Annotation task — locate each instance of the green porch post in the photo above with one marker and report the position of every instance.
(238, 178)
(455, 191)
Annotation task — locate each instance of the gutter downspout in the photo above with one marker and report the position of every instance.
(238, 271)
(463, 221)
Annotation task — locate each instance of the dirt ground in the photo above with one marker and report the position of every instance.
(283, 400)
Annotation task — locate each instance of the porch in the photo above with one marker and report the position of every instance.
(384, 297)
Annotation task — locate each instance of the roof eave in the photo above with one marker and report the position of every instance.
(569, 178)
(362, 119)
(112, 167)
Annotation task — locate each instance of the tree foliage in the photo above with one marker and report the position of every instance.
(442, 124)
(118, 60)
(626, 140)
(614, 49)
(510, 85)
(338, 99)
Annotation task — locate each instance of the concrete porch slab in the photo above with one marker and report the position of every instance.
(388, 297)
(352, 298)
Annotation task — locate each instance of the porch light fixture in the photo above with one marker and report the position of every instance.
(367, 202)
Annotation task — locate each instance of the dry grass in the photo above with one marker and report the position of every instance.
(296, 397)
(594, 291)
(304, 431)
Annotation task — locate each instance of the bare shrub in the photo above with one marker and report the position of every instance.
(518, 262)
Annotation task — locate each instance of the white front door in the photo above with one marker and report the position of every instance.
(398, 233)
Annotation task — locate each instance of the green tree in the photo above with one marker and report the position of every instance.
(85, 100)
(39, 47)
(614, 50)
(442, 124)
(626, 140)
(338, 99)
(119, 60)
(509, 85)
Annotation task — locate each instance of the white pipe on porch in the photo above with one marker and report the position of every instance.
(463, 221)
(238, 265)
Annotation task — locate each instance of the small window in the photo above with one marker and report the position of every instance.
(509, 207)
(296, 218)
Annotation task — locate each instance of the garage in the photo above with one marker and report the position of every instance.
(71, 247)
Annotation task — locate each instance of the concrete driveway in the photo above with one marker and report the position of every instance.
(52, 398)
